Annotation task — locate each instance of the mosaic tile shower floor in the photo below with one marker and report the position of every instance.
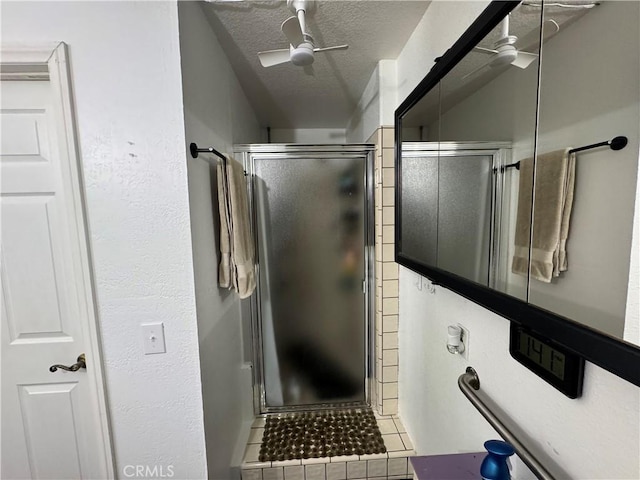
(321, 434)
(393, 464)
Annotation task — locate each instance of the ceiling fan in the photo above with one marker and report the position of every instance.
(505, 51)
(301, 49)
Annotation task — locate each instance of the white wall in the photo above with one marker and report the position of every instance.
(217, 113)
(632, 317)
(377, 104)
(366, 116)
(442, 24)
(125, 72)
(316, 136)
(596, 436)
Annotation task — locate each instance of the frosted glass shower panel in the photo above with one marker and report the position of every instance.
(464, 215)
(449, 215)
(420, 207)
(311, 226)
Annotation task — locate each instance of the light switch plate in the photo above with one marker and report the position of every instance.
(153, 338)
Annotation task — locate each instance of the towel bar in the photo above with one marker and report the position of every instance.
(193, 148)
(616, 143)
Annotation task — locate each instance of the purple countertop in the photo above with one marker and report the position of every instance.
(460, 466)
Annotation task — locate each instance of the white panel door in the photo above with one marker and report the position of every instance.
(51, 425)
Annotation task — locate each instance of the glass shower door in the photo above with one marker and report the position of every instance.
(311, 222)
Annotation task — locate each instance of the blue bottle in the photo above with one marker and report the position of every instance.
(495, 466)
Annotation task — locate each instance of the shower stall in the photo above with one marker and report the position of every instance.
(452, 207)
(312, 219)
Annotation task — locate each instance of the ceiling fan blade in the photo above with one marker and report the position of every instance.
(524, 59)
(291, 29)
(274, 57)
(485, 50)
(326, 49)
(532, 39)
(472, 72)
(308, 69)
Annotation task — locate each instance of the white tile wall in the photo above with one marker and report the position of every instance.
(294, 473)
(272, 474)
(315, 472)
(389, 374)
(387, 425)
(356, 469)
(286, 463)
(252, 474)
(252, 452)
(388, 196)
(376, 468)
(389, 323)
(408, 444)
(389, 357)
(397, 466)
(256, 435)
(393, 442)
(337, 471)
(386, 273)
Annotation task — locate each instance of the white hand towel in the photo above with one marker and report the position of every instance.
(237, 249)
(552, 203)
(225, 267)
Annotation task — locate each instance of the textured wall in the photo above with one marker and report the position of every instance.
(217, 114)
(596, 436)
(126, 78)
(366, 116)
(377, 105)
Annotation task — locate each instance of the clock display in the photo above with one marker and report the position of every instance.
(545, 356)
(548, 359)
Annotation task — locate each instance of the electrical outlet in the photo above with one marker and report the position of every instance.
(465, 340)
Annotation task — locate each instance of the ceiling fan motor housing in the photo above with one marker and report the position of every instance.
(507, 51)
(303, 55)
(505, 56)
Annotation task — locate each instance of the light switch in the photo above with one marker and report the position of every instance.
(153, 338)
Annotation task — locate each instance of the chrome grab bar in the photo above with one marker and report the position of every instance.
(469, 382)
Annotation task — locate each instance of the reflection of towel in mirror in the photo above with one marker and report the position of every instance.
(237, 250)
(552, 203)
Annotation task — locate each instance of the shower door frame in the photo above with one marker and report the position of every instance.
(248, 154)
(500, 152)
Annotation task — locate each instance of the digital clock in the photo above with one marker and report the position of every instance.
(550, 361)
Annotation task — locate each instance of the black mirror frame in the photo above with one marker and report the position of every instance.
(616, 356)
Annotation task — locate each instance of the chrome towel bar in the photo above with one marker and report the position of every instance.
(469, 383)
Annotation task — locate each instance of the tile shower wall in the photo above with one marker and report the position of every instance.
(385, 393)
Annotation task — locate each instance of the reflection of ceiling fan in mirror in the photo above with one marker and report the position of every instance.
(506, 51)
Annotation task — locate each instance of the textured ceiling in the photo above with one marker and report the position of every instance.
(285, 96)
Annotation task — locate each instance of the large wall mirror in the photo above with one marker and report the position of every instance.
(497, 197)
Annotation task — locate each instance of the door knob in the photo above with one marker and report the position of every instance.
(81, 363)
